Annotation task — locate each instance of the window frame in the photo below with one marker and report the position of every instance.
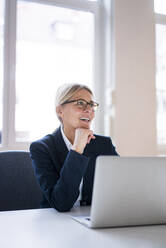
(9, 94)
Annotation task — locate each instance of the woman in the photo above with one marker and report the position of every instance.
(64, 162)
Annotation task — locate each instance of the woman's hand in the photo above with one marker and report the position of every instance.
(83, 137)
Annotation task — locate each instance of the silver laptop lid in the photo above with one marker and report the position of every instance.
(129, 191)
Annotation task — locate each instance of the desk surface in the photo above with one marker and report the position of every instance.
(46, 228)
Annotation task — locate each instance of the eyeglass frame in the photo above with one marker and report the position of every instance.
(91, 103)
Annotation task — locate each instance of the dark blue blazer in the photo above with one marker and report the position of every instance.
(59, 171)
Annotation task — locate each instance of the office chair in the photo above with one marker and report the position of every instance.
(18, 186)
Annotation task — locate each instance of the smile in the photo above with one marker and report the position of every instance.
(85, 119)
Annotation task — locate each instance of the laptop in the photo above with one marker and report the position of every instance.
(127, 191)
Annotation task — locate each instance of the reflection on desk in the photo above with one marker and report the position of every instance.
(46, 228)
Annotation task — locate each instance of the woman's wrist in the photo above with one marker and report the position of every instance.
(77, 149)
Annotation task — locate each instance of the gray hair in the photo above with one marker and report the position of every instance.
(66, 91)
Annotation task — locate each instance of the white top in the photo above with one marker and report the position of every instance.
(69, 146)
(67, 142)
(46, 228)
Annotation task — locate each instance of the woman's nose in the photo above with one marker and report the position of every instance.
(88, 109)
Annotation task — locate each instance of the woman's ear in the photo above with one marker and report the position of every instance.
(59, 111)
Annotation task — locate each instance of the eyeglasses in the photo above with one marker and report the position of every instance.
(83, 104)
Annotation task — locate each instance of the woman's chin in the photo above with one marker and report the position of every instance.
(85, 125)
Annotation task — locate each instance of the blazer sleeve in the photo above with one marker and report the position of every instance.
(60, 189)
(113, 149)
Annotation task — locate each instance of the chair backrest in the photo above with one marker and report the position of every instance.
(18, 186)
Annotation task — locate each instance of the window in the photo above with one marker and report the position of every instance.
(160, 9)
(1, 64)
(48, 43)
(160, 6)
(161, 82)
(54, 46)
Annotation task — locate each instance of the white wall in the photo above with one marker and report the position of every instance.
(134, 49)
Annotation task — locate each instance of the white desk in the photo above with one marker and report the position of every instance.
(46, 228)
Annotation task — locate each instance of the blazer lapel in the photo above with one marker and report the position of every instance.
(60, 146)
